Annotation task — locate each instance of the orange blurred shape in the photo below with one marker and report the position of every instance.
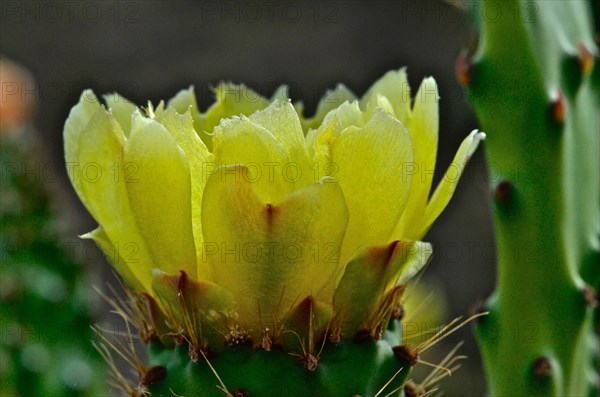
(16, 108)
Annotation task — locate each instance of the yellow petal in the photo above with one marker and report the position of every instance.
(370, 169)
(232, 100)
(319, 141)
(103, 176)
(346, 115)
(331, 100)
(240, 141)
(370, 277)
(444, 191)
(120, 257)
(200, 162)
(185, 101)
(382, 103)
(122, 110)
(271, 256)
(78, 119)
(423, 127)
(160, 196)
(280, 93)
(394, 86)
(282, 121)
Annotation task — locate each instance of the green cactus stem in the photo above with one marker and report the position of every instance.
(535, 91)
(343, 369)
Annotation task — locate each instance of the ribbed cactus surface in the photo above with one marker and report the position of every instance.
(365, 368)
(534, 86)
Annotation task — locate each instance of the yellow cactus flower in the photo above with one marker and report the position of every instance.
(258, 216)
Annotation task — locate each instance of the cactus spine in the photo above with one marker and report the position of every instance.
(535, 91)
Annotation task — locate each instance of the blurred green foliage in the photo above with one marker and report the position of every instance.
(45, 298)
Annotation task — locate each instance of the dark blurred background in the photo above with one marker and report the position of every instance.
(148, 50)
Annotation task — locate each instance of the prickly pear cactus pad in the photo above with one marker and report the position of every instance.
(267, 253)
(534, 86)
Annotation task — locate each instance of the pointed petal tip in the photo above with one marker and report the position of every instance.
(88, 96)
(427, 88)
(476, 138)
(400, 71)
(429, 80)
(478, 135)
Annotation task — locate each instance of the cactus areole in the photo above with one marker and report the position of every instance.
(268, 252)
